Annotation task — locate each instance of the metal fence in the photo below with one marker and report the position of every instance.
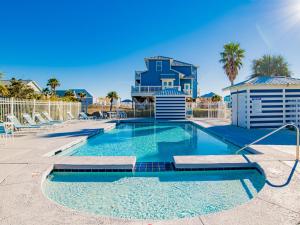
(57, 110)
(218, 110)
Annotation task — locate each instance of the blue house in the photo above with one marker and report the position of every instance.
(164, 73)
(86, 101)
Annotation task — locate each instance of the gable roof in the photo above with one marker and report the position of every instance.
(173, 61)
(158, 58)
(266, 80)
(208, 95)
(61, 93)
(26, 82)
(169, 91)
(179, 63)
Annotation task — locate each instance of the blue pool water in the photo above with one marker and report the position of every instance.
(158, 195)
(154, 142)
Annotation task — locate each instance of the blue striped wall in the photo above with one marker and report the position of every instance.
(279, 107)
(170, 107)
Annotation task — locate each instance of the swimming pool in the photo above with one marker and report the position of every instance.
(153, 195)
(153, 142)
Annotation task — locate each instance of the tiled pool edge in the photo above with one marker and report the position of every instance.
(79, 140)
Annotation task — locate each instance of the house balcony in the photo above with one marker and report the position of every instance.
(150, 90)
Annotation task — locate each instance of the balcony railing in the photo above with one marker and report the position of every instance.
(152, 89)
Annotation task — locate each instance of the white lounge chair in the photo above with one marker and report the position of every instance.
(43, 121)
(49, 118)
(70, 116)
(83, 116)
(18, 126)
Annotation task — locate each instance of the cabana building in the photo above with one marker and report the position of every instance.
(265, 102)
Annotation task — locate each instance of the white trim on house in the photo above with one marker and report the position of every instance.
(158, 64)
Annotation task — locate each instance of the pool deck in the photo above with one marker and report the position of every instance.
(24, 162)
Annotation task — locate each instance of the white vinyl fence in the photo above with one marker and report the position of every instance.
(217, 110)
(57, 110)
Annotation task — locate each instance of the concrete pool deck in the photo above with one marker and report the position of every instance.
(23, 164)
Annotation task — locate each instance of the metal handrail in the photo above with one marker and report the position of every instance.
(273, 132)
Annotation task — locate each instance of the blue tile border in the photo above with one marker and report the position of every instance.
(159, 167)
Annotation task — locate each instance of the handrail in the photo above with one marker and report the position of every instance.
(273, 132)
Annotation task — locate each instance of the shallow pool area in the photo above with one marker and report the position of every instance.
(153, 142)
(153, 195)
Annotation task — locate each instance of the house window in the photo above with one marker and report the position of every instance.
(167, 83)
(159, 66)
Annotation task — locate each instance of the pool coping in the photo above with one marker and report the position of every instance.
(272, 205)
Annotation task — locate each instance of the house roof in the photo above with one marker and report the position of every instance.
(179, 63)
(266, 80)
(173, 61)
(61, 93)
(158, 58)
(8, 82)
(169, 91)
(208, 95)
(126, 101)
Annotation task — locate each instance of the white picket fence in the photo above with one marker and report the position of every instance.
(57, 110)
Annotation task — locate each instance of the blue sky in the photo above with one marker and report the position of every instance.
(98, 45)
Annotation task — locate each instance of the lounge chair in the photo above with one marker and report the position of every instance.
(49, 118)
(70, 116)
(31, 121)
(83, 116)
(6, 131)
(18, 126)
(102, 115)
(43, 121)
(121, 114)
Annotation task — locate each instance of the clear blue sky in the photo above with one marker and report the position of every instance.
(98, 45)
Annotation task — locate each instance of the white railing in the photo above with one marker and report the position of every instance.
(56, 109)
(149, 89)
(273, 132)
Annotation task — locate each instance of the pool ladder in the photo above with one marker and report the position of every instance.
(273, 132)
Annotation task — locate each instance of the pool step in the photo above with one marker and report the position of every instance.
(212, 162)
(95, 163)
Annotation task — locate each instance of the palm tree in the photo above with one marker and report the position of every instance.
(216, 98)
(3, 90)
(112, 95)
(270, 65)
(231, 58)
(46, 92)
(70, 93)
(53, 83)
(82, 95)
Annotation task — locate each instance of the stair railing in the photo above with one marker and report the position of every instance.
(273, 132)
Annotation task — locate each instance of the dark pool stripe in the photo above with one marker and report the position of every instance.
(158, 167)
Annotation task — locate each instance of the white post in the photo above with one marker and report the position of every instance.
(283, 106)
(33, 109)
(248, 112)
(12, 106)
(78, 107)
(49, 108)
